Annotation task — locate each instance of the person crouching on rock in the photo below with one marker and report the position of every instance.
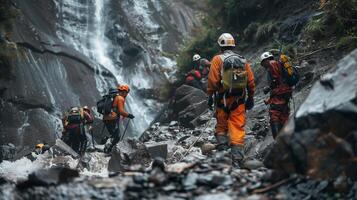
(280, 93)
(231, 80)
(111, 120)
(193, 78)
(73, 128)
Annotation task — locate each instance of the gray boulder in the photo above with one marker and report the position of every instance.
(7, 152)
(189, 104)
(321, 141)
(48, 177)
(126, 153)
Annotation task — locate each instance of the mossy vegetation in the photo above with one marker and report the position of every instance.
(339, 19)
(258, 23)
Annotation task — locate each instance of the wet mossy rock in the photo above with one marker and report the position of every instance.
(321, 142)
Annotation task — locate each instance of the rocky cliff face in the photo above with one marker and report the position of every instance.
(68, 53)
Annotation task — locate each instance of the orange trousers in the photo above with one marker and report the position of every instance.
(231, 123)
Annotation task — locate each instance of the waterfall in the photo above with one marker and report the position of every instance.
(83, 25)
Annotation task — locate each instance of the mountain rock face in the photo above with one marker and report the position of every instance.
(321, 141)
(69, 53)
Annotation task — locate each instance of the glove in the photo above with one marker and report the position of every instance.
(249, 103)
(130, 116)
(210, 102)
(266, 90)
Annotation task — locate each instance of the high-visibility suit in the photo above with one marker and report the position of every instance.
(193, 78)
(111, 120)
(280, 95)
(230, 121)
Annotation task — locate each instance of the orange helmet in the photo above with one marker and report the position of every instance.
(124, 88)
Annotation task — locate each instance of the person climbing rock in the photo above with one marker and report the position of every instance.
(112, 119)
(280, 93)
(193, 78)
(201, 64)
(73, 128)
(231, 86)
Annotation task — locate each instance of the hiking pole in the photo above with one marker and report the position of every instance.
(126, 127)
(91, 133)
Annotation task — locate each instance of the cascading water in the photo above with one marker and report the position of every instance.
(84, 26)
(126, 38)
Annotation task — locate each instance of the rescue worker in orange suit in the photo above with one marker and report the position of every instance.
(73, 128)
(201, 64)
(280, 93)
(111, 120)
(230, 107)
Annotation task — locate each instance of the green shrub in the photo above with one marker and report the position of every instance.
(250, 31)
(316, 28)
(265, 32)
(347, 43)
(204, 44)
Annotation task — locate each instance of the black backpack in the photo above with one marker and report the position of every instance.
(75, 117)
(104, 105)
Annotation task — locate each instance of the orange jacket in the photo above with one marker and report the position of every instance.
(118, 104)
(215, 77)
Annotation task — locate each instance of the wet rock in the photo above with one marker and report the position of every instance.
(157, 175)
(179, 167)
(157, 150)
(220, 196)
(189, 104)
(207, 148)
(159, 163)
(189, 183)
(7, 152)
(173, 123)
(252, 164)
(115, 162)
(47, 177)
(126, 153)
(320, 141)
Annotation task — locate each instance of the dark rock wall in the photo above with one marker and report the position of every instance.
(320, 141)
(54, 67)
(47, 78)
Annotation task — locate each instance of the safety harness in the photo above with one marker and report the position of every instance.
(239, 100)
(239, 97)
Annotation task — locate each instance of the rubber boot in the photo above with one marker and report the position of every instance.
(275, 128)
(237, 156)
(222, 142)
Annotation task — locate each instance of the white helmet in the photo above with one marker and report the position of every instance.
(196, 57)
(266, 55)
(226, 40)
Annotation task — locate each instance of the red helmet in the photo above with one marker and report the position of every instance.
(124, 88)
